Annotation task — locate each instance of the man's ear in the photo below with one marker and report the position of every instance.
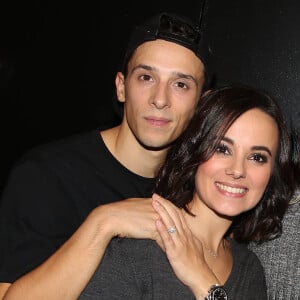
(120, 86)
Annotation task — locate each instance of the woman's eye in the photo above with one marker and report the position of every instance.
(222, 149)
(260, 158)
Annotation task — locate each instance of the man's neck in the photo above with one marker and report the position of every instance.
(131, 154)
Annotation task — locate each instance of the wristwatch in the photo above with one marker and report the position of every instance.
(216, 292)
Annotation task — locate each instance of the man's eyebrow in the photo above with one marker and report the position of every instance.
(256, 147)
(143, 66)
(177, 74)
(186, 76)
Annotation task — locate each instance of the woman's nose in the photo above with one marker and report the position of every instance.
(236, 170)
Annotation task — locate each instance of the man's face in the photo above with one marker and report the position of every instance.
(160, 93)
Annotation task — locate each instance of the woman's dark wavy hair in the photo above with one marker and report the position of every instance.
(214, 115)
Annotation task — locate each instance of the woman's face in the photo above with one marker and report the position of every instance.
(234, 179)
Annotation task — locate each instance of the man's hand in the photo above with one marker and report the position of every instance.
(131, 218)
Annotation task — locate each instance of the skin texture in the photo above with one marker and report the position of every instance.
(160, 94)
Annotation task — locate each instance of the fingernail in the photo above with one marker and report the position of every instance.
(155, 196)
(156, 203)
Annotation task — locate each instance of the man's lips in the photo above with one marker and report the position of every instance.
(157, 121)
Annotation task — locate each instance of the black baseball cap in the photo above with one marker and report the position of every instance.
(171, 27)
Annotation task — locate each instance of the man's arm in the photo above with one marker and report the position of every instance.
(65, 274)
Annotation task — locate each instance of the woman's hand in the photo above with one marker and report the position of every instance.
(183, 249)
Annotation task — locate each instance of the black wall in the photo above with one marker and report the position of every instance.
(58, 60)
(258, 43)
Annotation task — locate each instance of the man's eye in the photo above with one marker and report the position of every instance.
(145, 77)
(181, 85)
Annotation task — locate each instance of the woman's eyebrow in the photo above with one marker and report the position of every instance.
(256, 147)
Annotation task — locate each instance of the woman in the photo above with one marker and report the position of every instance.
(228, 174)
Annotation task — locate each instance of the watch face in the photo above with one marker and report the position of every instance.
(219, 294)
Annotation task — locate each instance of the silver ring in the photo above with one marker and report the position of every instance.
(172, 230)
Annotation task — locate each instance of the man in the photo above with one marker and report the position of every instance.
(54, 227)
(281, 257)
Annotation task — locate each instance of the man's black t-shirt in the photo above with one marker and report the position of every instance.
(50, 192)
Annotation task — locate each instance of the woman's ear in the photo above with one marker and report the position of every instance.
(120, 86)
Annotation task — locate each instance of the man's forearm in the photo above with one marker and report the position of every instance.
(66, 273)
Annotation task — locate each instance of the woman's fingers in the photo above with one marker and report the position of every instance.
(169, 214)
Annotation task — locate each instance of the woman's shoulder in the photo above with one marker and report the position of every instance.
(247, 271)
(241, 252)
(143, 248)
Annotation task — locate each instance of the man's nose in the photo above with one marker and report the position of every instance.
(160, 99)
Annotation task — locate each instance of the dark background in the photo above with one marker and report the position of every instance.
(58, 60)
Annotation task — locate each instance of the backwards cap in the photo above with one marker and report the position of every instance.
(170, 27)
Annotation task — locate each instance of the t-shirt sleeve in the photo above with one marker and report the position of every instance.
(33, 222)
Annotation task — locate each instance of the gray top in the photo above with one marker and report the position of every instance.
(138, 269)
(281, 258)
